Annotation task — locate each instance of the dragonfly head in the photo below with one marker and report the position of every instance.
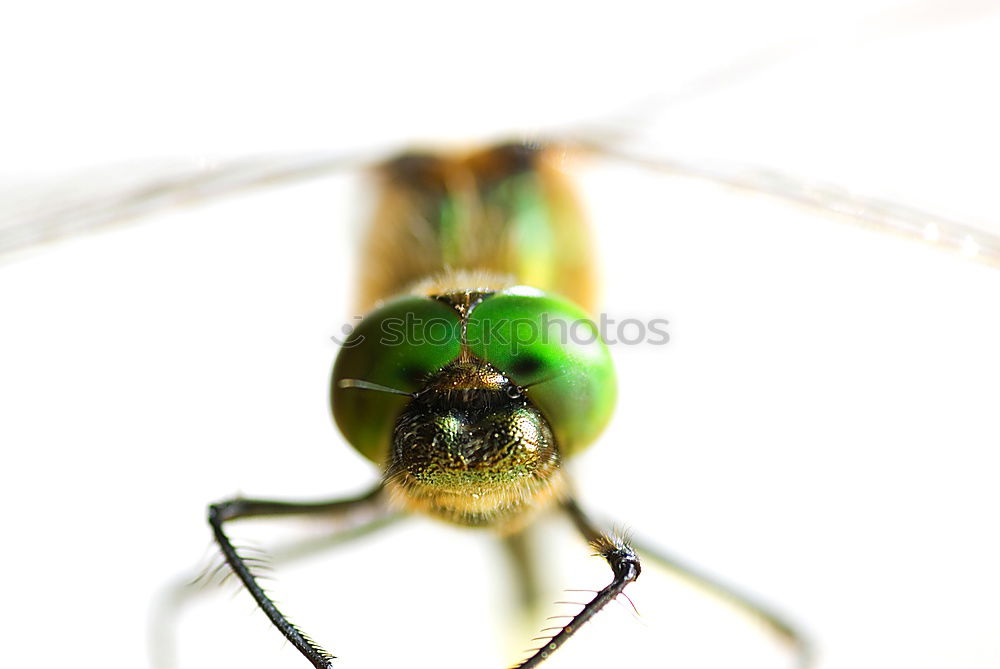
(470, 412)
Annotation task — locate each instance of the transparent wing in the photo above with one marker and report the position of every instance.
(977, 240)
(35, 213)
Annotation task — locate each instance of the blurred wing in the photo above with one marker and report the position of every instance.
(31, 215)
(976, 241)
(34, 214)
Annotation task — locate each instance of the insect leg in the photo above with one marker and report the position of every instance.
(372, 502)
(787, 631)
(624, 565)
(794, 637)
(519, 549)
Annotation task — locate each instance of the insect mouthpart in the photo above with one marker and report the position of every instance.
(471, 448)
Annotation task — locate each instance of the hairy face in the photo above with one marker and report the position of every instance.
(471, 448)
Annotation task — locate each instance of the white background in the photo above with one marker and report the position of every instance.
(822, 427)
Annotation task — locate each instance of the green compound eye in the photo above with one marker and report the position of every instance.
(398, 346)
(545, 340)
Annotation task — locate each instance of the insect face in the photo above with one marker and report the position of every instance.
(472, 448)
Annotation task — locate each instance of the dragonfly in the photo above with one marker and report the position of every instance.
(597, 449)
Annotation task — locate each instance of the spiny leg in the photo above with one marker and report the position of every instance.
(624, 565)
(176, 596)
(518, 548)
(787, 631)
(372, 502)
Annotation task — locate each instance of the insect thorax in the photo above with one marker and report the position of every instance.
(505, 211)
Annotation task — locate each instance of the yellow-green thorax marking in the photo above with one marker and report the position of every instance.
(472, 387)
(505, 214)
